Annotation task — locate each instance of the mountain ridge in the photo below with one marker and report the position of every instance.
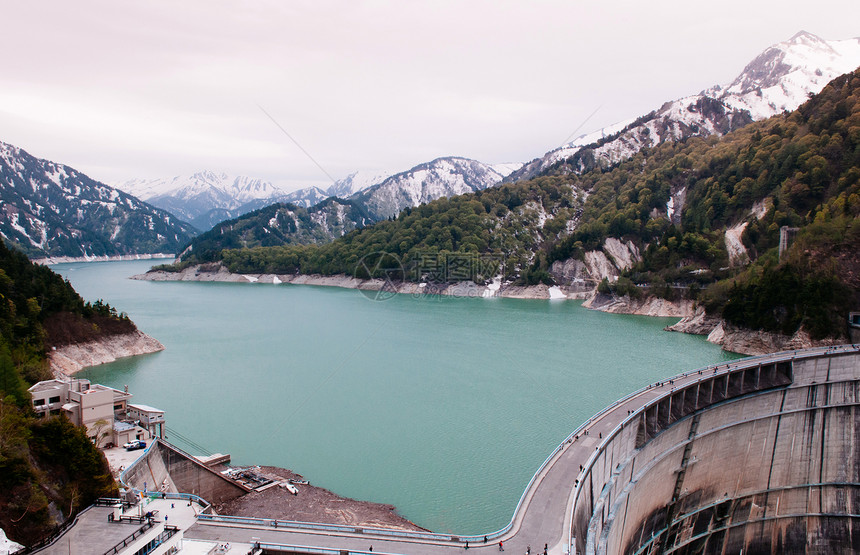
(50, 209)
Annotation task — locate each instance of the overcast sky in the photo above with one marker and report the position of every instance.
(122, 89)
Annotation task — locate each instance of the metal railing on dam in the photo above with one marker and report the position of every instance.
(634, 477)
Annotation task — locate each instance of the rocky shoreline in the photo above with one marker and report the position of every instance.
(217, 273)
(66, 259)
(69, 359)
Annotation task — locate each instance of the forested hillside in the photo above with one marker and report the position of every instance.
(49, 469)
(799, 170)
(700, 218)
(280, 224)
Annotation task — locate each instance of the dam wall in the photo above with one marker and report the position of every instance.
(165, 468)
(759, 457)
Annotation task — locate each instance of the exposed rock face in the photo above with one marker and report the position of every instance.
(698, 323)
(614, 257)
(600, 267)
(744, 341)
(574, 273)
(750, 342)
(73, 358)
(649, 306)
(738, 255)
(623, 254)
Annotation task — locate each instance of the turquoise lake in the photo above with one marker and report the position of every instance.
(443, 407)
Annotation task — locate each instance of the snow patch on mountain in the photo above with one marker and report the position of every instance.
(306, 197)
(357, 181)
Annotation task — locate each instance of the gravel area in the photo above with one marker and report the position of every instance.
(312, 504)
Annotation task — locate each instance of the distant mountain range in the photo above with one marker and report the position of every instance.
(208, 198)
(291, 223)
(778, 80)
(50, 209)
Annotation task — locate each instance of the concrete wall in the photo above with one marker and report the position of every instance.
(765, 459)
(166, 468)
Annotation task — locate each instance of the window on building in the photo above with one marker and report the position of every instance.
(53, 400)
(38, 402)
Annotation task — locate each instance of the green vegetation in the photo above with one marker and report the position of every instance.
(798, 170)
(48, 467)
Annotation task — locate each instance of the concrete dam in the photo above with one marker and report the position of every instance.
(763, 457)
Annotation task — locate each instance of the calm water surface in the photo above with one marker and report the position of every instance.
(442, 407)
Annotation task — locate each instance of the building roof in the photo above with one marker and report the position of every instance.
(45, 385)
(144, 408)
(120, 426)
(117, 394)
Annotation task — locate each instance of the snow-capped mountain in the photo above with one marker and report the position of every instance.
(49, 209)
(779, 79)
(443, 177)
(782, 77)
(205, 196)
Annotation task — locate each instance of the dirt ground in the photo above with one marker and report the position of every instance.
(312, 504)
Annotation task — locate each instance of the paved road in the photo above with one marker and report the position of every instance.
(542, 518)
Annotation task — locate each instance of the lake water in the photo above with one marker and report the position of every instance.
(443, 407)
